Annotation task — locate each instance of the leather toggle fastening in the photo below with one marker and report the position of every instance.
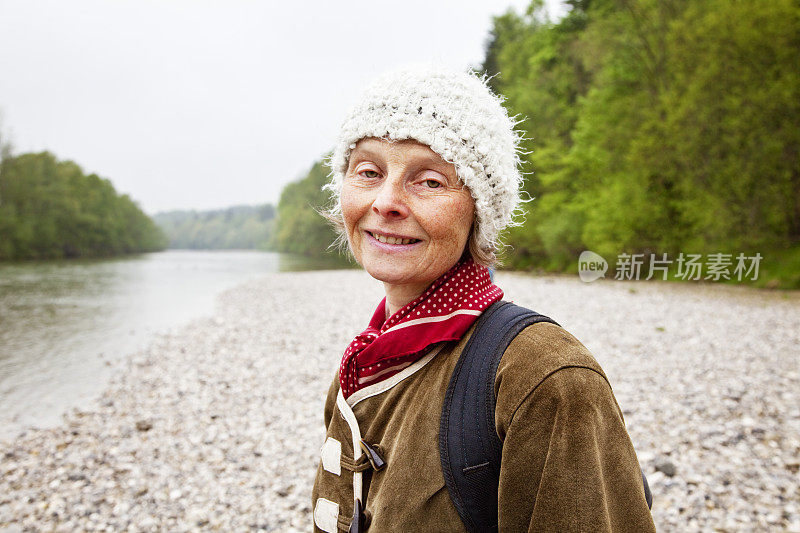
(357, 524)
(361, 465)
(373, 456)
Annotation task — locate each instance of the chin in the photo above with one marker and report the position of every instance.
(385, 275)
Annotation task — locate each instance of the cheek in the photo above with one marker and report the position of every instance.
(468, 217)
(352, 209)
(465, 214)
(453, 224)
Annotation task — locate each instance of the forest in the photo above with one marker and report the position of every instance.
(300, 229)
(50, 209)
(238, 227)
(650, 127)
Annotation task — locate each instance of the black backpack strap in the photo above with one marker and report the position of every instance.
(648, 496)
(469, 447)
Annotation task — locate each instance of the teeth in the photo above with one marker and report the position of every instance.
(392, 240)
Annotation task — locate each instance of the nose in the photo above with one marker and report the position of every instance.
(390, 202)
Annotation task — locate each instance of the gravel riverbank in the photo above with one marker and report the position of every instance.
(217, 425)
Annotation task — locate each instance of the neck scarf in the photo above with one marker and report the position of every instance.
(444, 312)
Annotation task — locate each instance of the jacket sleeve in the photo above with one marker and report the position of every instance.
(330, 400)
(568, 463)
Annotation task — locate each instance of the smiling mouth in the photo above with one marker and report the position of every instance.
(391, 240)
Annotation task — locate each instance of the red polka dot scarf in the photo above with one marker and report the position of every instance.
(444, 312)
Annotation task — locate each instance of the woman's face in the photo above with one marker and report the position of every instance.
(406, 213)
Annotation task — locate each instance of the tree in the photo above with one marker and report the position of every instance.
(52, 210)
(238, 227)
(654, 125)
(300, 227)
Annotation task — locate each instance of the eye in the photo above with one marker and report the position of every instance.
(433, 184)
(371, 174)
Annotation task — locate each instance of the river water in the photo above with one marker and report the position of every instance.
(65, 325)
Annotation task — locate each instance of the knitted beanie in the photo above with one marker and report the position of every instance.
(458, 117)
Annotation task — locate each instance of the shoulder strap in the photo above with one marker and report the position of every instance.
(469, 447)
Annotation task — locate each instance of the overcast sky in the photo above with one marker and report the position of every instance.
(197, 105)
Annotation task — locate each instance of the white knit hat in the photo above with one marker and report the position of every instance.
(458, 116)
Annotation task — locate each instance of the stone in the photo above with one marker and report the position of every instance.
(144, 425)
(666, 467)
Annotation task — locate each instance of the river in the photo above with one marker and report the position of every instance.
(65, 325)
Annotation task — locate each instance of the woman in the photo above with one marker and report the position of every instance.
(425, 177)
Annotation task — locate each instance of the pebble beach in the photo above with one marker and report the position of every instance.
(216, 426)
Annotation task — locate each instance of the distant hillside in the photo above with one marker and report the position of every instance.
(239, 227)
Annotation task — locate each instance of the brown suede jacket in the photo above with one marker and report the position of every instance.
(567, 464)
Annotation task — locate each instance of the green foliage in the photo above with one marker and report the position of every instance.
(50, 209)
(734, 103)
(654, 126)
(239, 227)
(300, 228)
